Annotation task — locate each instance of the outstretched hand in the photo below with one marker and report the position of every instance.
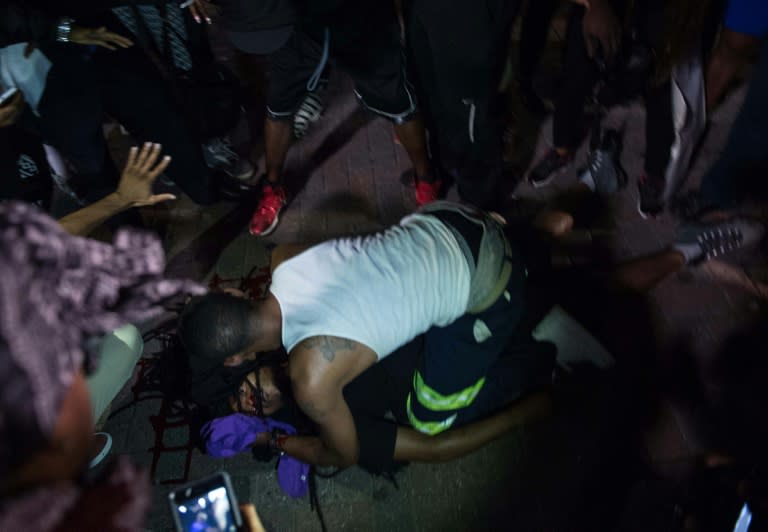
(98, 37)
(140, 173)
(200, 9)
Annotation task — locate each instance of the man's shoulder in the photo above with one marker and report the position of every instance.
(321, 357)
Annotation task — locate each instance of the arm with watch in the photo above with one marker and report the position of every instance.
(20, 22)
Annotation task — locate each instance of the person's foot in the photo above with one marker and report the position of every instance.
(220, 156)
(428, 191)
(101, 444)
(309, 112)
(651, 196)
(698, 243)
(267, 215)
(548, 167)
(604, 173)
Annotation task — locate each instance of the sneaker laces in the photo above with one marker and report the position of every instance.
(720, 240)
(221, 148)
(596, 161)
(271, 200)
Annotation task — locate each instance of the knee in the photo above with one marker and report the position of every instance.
(131, 337)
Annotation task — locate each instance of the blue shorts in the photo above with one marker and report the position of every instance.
(747, 16)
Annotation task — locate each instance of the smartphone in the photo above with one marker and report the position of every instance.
(7, 95)
(207, 505)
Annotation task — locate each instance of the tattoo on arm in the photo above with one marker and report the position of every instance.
(329, 345)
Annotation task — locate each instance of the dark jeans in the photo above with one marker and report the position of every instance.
(580, 75)
(83, 87)
(533, 37)
(739, 170)
(457, 51)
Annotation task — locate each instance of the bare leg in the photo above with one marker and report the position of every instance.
(731, 53)
(643, 273)
(414, 140)
(277, 141)
(413, 446)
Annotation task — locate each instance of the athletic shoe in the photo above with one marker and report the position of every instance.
(220, 156)
(651, 200)
(428, 191)
(701, 242)
(267, 215)
(308, 113)
(547, 168)
(604, 173)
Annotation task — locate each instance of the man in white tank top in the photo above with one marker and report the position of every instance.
(341, 306)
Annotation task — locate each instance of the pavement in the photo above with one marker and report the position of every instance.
(595, 465)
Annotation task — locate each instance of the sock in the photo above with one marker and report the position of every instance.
(690, 250)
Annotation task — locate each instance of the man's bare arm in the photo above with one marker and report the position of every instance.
(134, 190)
(320, 367)
(413, 446)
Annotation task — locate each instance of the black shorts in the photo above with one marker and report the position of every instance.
(370, 54)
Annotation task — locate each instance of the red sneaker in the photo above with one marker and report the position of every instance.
(267, 215)
(427, 192)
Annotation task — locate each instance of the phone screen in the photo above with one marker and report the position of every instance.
(206, 506)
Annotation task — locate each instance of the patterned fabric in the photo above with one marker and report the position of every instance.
(154, 22)
(57, 294)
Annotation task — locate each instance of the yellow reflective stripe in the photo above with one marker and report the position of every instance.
(427, 427)
(438, 402)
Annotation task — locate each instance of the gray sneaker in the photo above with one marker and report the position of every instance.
(701, 242)
(219, 155)
(309, 112)
(604, 173)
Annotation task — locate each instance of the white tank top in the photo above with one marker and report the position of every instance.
(380, 290)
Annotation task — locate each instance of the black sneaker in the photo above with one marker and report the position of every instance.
(651, 200)
(220, 156)
(701, 242)
(604, 173)
(548, 168)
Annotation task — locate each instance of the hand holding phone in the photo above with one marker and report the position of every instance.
(206, 505)
(11, 106)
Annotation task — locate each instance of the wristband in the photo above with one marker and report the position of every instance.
(63, 29)
(277, 440)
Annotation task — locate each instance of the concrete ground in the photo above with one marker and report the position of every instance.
(596, 465)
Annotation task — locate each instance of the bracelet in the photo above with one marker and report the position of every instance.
(63, 29)
(277, 440)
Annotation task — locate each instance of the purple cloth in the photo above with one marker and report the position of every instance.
(58, 294)
(229, 435)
